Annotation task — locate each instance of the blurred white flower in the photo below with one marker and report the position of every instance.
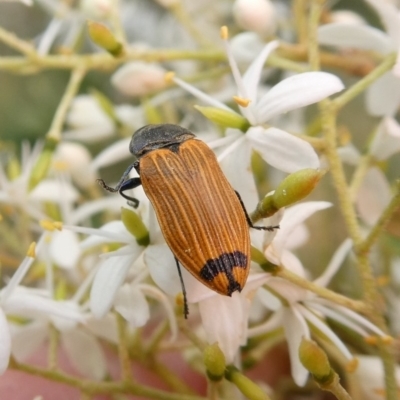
(139, 78)
(32, 304)
(256, 15)
(373, 196)
(346, 17)
(15, 191)
(383, 96)
(75, 159)
(88, 121)
(97, 9)
(386, 142)
(371, 377)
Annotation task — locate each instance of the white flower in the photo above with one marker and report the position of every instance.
(29, 303)
(15, 191)
(383, 96)
(108, 287)
(278, 148)
(371, 378)
(139, 78)
(88, 121)
(75, 159)
(295, 308)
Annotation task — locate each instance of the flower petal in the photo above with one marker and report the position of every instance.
(237, 168)
(225, 322)
(320, 325)
(387, 139)
(373, 196)
(5, 342)
(293, 216)
(112, 272)
(383, 96)
(27, 338)
(363, 37)
(282, 150)
(105, 328)
(251, 78)
(295, 330)
(335, 263)
(118, 151)
(297, 91)
(162, 267)
(29, 304)
(64, 249)
(85, 353)
(389, 15)
(132, 305)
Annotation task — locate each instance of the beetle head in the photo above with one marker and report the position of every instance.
(153, 137)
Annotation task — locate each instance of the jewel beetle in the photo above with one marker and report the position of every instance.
(202, 218)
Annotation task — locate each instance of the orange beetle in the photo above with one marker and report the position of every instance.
(202, 218)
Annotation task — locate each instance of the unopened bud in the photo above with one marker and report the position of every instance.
(256, 15)
(134, 225)
(104, 38)
(315, 360)
(296, 186)
(224, 118)
(214, 361)
(139, 78)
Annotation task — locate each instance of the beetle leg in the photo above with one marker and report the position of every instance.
(185, 303)
(250, 222)
(124, 184)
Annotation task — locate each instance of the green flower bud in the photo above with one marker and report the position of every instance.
(315, 360)
(214, 361)
(40, 169)
(265, 208)
(134, 224)
(296, 186)
(244, 384)
(224, 118)
(104, 38)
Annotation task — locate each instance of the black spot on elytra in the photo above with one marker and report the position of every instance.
(224, 264)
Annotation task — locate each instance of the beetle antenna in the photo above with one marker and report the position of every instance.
(119, 184)
(185, 303)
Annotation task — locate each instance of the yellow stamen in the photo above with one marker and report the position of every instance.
(224, 32)
(51, 225)
(61, 165)
(371, 340)
(169, 77)
(31, 250)
(240, 101)
(352, 365)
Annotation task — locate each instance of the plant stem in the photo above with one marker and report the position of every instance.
(72, 89)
